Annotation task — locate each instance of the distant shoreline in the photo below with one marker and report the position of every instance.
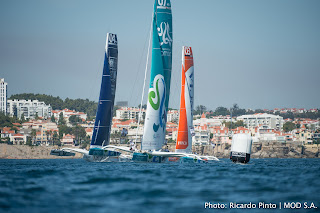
(258, 151)
(30, 152)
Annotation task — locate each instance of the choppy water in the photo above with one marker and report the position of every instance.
(80, 186)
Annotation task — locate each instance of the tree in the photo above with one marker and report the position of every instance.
(86, 106)
(79, 132)
(221, 111)
(258, 111)
(234, 124)
(288, 126)
(53, 119)
(144, 106)
(199, 110)
(64, 129)
(55, 139)
(33, 135)
(73, 119)
(22, 118)
(36, 117)
(236, 111)
(29, 141)
(86, 142)
(6, 121)
(14, 129)
(61, 119)
(249, 112)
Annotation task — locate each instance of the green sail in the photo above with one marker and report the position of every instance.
(160, 77)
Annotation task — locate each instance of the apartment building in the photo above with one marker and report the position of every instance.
(273, 121)
(129, 113)
(28, 108)
(3, 96)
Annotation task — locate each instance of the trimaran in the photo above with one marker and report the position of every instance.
(158, 99)
(99, 150)
(158, 95)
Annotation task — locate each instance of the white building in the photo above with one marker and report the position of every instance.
(272, 121)
(67, 113)
(202, 133)
(129, 113)
(172, 116)
(3, 96)
(29, 108)
(213, 121)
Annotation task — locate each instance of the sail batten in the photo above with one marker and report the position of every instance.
(102, 127)
(160, 77)
(185, 127)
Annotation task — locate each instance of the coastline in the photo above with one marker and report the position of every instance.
(259, 150)
(267, 150)
(31, 152)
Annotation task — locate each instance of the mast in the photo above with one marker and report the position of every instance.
(160, 77)
(102, 126)
(185, 127)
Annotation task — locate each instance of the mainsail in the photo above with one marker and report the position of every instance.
(160, 77)
(102, 126)
(185, 128)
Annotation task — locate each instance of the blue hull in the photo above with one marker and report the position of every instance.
(145, 158)
(101, 152)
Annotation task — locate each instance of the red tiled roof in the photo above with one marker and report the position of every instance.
(69, 136)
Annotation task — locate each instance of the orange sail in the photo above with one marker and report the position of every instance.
(185, 128)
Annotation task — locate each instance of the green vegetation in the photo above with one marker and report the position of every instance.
(29, 141)
(234, 124)
(311, 115)
(36, 116)
(6, 120)
(74, 119)
(80, 105)
(221, 111)
(288, 126)
(64, 129)
(61, 119)
(199, 110)
(78, 131)
(236, 111)
(170, 140)
(144, 106)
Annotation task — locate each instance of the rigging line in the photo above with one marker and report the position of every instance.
(175, 81)
(138, 71)
(96, 78)
(144, 82)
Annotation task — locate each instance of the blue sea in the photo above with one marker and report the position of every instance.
(74, 185)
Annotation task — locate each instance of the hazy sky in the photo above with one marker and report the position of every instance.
(257, 53)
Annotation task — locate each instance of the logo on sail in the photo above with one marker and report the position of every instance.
(111, 63)
(162, 4)
(112, 39)
(157, 97)
(164, 33)
(187, 51)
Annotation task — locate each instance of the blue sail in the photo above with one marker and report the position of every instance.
(103, 122)
(160, 77)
